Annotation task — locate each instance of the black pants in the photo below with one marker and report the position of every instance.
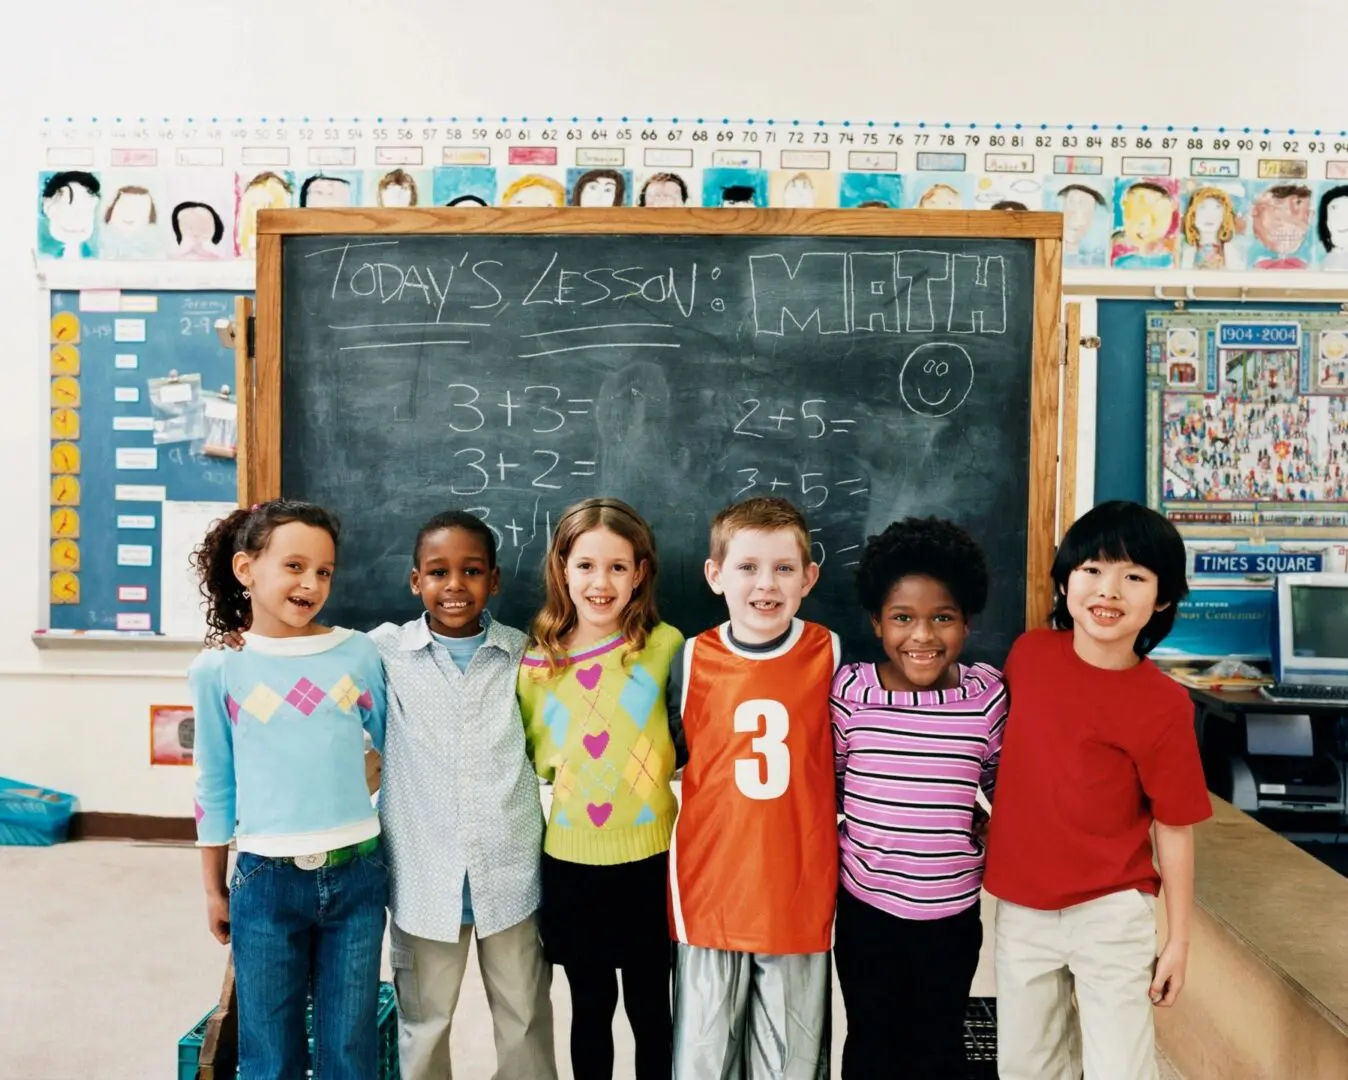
(594, 998)
(905, 984)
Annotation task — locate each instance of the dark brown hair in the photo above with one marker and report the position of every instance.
(1148, 185)
(130, 189)
(619, 185)
(1100, 199)
(228, 609)
(398, 178)
(661, 178)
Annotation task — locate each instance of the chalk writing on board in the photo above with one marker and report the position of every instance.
(809, 488)
(863, 378)
(880, 292)
(816, 424)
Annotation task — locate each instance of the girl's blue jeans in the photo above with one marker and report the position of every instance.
(300, 932)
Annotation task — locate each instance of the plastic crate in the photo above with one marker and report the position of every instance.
(189, 1046)
(32, 816)
(980, 1038)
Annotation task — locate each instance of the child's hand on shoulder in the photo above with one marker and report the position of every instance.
(232, 640)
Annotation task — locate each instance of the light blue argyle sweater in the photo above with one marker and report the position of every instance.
(280, 742)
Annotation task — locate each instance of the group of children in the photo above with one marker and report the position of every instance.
(828, 810)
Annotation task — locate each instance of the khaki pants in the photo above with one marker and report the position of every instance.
(427, 976)
(1104, 949)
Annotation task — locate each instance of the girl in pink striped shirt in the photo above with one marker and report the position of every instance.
(915, 738)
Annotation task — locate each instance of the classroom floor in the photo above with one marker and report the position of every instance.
(105, 962)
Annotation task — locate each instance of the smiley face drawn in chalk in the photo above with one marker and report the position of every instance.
(936, 378)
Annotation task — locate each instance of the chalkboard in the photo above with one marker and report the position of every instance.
(864, 376)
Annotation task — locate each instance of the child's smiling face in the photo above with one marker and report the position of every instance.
(289, 579)
(922, 630)
(602, 572)
(1110, 604)
(763, 577)
(454, 578)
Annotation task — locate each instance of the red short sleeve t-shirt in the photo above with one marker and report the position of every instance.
(1091, 757)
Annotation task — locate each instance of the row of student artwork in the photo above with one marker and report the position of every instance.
(1151, 223)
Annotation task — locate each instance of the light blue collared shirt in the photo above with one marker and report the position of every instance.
(459, 802)
(461, 651)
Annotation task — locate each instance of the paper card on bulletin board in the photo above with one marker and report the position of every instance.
(180, 601)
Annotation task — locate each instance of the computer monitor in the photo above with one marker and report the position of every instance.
(1311, 629)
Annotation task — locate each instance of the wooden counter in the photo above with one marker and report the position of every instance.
(1267, 990)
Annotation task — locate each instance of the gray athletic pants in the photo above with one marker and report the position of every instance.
(748, 1016)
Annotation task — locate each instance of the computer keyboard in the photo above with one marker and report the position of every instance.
(1307, 693)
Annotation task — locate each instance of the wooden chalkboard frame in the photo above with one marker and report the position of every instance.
(260, 467)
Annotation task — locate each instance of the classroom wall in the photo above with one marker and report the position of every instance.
(78, 720)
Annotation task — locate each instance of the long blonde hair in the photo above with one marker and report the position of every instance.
(557, 618)
(535, 180)
(1225, 231)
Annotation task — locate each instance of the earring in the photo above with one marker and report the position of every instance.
(247, 595)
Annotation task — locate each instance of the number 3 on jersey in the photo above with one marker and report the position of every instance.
(767, 775)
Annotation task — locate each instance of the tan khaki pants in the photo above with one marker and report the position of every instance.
(1104, 949)
(427, 976)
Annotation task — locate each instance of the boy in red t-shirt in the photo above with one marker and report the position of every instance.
(1099, 747)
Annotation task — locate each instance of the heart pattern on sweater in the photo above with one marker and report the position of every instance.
(595, 745)
(589, 677)
(600, 813)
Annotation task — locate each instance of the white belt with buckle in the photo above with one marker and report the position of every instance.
(311, 862)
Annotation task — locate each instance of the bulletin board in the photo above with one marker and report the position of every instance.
(1247, 422)
(1121, 389)
(143, 439)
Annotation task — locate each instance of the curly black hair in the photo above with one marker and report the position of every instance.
(930, 546)
(228, 609)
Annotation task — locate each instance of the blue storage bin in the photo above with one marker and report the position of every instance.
(33, 816)
(189, 1046)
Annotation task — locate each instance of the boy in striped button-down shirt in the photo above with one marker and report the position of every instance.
(915, 739)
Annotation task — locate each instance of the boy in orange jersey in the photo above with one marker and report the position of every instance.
(753, 865)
